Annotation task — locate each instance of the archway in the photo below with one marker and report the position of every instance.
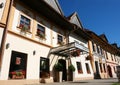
(109, 71)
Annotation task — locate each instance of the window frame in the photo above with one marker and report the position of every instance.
(80, 70)
(88, 68)
(59, 41)
(42, 36)
(26, 16)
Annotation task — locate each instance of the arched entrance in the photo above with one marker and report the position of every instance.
(64, 75)
(109, 71)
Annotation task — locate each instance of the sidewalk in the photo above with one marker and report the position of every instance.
(81, 82)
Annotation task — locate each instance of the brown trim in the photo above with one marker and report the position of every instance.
(2, 25)
(5, 32)
(26, 38)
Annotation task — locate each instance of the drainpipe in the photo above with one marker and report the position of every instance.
(2, 49)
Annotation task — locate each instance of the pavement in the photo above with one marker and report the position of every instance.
(81, 82)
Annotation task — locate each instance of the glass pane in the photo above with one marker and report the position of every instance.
(24, 22)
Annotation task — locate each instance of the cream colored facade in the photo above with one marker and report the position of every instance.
(98, 60)
(103, 57)
(111, 64)
(31, 48)
(28, 42)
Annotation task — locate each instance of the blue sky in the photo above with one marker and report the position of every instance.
(100, 16)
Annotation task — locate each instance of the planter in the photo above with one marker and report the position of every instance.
(58, 72)
(71, 76)
(58, 76)
(71, 72)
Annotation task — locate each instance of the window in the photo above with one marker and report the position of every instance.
(60, 39)
(44, 67)
(87, 68)
(41, 31)
(98, 51)
(101, 67)
(115, 58)
(106, 55)
(112, 57)
(104, 68)
(93, 46)
(79, 67)
(24, 23)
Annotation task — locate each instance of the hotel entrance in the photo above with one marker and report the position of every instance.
(18, 65)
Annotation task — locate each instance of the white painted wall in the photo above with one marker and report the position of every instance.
(81, 58)
(50, 29)
(2, 9)
(79, 39)
(24, 46)
(83, 61)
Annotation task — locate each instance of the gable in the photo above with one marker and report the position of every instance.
(55, 5)
(75, 19)
(104, 37)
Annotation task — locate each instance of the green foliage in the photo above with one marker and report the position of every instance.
(58, 67)
(71, 68)
(116, 84)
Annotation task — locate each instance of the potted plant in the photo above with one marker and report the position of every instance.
(40, 35)
(58, 72)
(71, 70)
(24, 29)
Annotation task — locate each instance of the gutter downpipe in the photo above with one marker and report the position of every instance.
(5, 34)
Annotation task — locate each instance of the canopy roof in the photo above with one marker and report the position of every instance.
(67, 49)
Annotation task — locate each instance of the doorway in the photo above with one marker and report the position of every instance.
(18, 65)
(64, 75)
(97, 73)
(109, 71)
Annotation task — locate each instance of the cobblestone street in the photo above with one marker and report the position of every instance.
(81, 82)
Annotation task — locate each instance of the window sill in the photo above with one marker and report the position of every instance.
(20, 29)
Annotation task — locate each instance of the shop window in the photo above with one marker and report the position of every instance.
(87, 68)
(44, 67)
(60, 39)
(40, 31)
(18, 65)
(24, 23)
(79, 67)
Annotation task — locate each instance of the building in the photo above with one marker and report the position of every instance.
(34, 33)
(81, 62)
(103, 56)
(35, 36)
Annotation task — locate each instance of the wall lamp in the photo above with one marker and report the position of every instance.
(1, 5)
(7, 45)
(34, 52)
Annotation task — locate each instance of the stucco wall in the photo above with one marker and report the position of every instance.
(2, 9)
(24, 46)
